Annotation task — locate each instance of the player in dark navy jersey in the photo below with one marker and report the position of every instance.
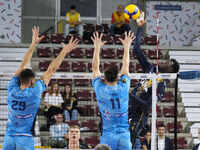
(24, 96)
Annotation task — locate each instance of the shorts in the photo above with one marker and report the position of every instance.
(117, 140)
(18, 142)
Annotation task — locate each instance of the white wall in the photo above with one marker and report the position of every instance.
(10, 21)
(176, 27)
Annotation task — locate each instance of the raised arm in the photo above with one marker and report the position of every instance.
(56, 62)
(27, 57)
(126, 58)
(96, 61)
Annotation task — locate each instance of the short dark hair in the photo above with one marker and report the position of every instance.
(161, 125)
(26, 75)
(102, 147)
(175, 66)
(111, 73)
(73, 7)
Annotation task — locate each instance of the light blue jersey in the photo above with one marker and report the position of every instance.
(113, 103)
(23, 106)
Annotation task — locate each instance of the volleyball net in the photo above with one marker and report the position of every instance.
(88, 118)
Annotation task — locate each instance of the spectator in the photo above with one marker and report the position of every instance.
(52, 101)
(73, 21)
(102, 147)
(74, 137)
(58, 133)
(119, 23)
(197, 147)
(146, 144)
(164, 143)
(70, 104)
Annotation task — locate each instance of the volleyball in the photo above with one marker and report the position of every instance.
(131, 12)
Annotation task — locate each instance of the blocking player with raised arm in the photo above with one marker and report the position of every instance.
(113, 96)
(24, 96)
(141, 95)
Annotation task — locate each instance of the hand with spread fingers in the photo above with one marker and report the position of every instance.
(128, 39)
(71, 45)
(35, 35)
(97, 40)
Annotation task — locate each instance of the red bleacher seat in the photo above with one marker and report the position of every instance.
(181, 143)
(117, 41)
(152, 54)
(58, 38)
(170, 127)
(134, 82)
(46, 39)
(131, 67)
(91, 124)
(88, 27)
(169, 111)
(43, 65)
(90, 67)
(106, 28)
(73, 122)
(56, 51)
(92, 141)
(139, 68)
(86, 110)
(107, 64)
(97, 111)
(81, 82)
(89, 52)
(143, 50)
(159, 112)
(77, 53)
(75, 36)
(65, 66)
(120, 53)
(64, 82)
(108, 38)
(99, 28)
(150, 39)
(52, 81)
(84, 95)
(44, 52)
(168, 97)
(79, 66)
(108, 53)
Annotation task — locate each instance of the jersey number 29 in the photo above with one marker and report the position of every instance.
(16, 105)
(113, 103)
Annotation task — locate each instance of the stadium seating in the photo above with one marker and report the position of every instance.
(169, 111)
(170, 127)
(58, 38)
(65, 66)
(44, 52)
(91, 125)
(139, 68)
(77, 53)
(63, 82)
(99, 28)
(108, 38)
(75, 36)
(43, 65)
(88, 27)
(46, 39)
(84, 95)
(56, 51)
(150, 39)
(81, 82)
(92, 141)
(152, 54)
(86, 110)
(108, 53)
(79, 66)
(89, 52)
(106, 28)
(168, 97)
